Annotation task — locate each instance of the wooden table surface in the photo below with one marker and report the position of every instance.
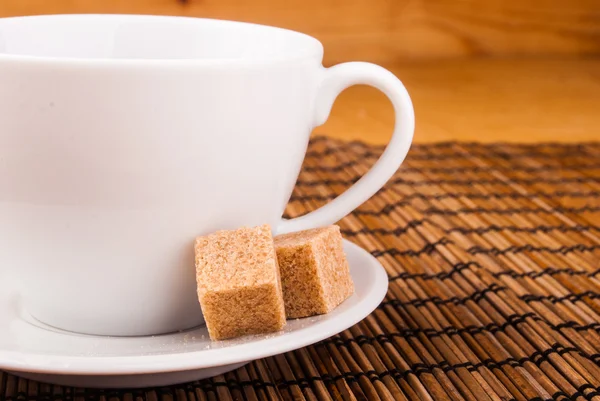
(487, 100)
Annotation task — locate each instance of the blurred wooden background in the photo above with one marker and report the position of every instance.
(482, 70)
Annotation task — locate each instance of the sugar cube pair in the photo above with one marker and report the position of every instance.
(249, 283)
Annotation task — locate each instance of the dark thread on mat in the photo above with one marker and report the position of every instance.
(472, 154)
(391, 207)
(510, 211)
(350, 377)
(333, 169)
(573, 325)
(595, 391)
(373, 152)
(554, 299)
(475, 296)
(386, 210)
(418, 369)
(161, 391)
(506, 195)
(496, 147)
(458, 195)
(327, 182)
(549, 271)
(513, 229)
(457, 170)
(563, 250)
(431, 333)
(511, 321)
(558, 394)
(456, 268)
(489, 153)
(330, 151)
(211, 386)
(519, 169)
(44, 396)
(470, 183)
(427, 249)
(322, 138)
(235, 384)
(580, 147)
(87, 394)
(537, 357)
(383, 231)
(204, 385)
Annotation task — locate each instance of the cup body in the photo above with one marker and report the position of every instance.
(122, 138)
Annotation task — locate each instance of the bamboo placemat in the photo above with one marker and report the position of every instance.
(493, 256)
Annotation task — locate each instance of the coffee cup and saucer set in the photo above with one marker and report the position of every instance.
(122, 139)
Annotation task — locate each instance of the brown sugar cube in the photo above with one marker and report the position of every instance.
(239, 287)
(314, 271)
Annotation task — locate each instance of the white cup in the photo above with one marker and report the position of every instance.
(122, 138)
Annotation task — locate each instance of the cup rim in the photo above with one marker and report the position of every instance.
(314, 49)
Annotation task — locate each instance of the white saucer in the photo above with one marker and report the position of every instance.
(33, 350)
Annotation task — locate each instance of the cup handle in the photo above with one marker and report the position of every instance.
(334, 81)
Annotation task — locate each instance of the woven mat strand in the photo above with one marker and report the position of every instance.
(493, 256)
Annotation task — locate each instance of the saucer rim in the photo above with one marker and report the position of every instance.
(173, 362)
